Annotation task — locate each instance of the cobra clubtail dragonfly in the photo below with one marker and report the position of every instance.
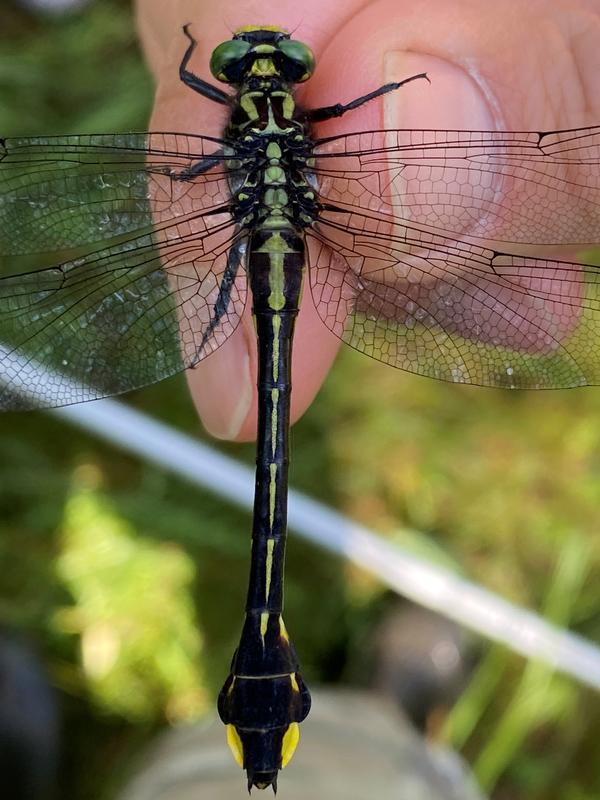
(446, 253)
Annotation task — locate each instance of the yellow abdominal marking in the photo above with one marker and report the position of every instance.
(276, 329)
(272, 492)
(294, 682)
(276, 247)
(264, 621)
(235, 745)
(274, 402)
(270, 548)
(289, 744)
(283, 630)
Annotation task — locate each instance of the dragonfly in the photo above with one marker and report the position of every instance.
(465, 256)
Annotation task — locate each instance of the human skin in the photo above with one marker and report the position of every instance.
(505, 65)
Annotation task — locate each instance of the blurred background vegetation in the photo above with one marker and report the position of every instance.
(130, 584)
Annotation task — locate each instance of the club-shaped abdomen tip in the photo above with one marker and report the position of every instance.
(263, 753)
(262, 780)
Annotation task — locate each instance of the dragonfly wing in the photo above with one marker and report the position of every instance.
(60, 194)
(120, 317)
(520, 188)
(448, 308)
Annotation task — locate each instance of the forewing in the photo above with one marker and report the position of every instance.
(524, 188)
(60, 194)
(130, 242)
(118, 318)
(451, 309)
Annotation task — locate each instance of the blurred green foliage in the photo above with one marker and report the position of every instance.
(131, 609)
(131, 583)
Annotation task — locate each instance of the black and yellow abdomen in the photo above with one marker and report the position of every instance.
(264, 698)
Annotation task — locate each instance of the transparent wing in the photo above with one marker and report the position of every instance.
(528, 188)
(120, 317)
(452, 309)
(138, 268)
(58, 194)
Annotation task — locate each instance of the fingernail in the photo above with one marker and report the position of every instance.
(222, 388)
(453, 100)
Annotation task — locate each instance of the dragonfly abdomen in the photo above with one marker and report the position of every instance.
(264, 698)
(275, 264)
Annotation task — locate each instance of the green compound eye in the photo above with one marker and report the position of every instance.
(300, 54)
(225, 55)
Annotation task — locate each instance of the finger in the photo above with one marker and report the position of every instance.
(485, 64)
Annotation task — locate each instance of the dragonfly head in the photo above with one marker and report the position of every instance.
(262, 51)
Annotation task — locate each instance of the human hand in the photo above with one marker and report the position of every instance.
(504, 66)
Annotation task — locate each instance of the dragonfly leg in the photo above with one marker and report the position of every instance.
(193, 81)
(234, 259)
(199, 167)
(328, 112)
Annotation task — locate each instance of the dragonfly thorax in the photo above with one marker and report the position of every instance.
(274, 180)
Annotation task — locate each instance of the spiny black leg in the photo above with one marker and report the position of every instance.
(196, 83)
(328, 112)
(192, 172)
(199, 167)
(234, 259)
